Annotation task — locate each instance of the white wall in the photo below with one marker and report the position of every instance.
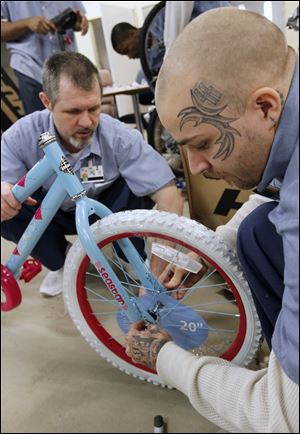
(96, 45)
(103, 15)
(292, 35)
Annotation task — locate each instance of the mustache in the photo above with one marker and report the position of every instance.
(85, 130)
(212, 176)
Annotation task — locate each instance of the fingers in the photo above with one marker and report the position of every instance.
(48, 26)
(41, 25)
(7, 212)
(9, 205)
(139, 325)
(176, 279)
(144, 345)
(134, 329)
(82, 23)
(30, 201)
(166, 273)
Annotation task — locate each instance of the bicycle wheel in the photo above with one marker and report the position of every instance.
(221, 300)
(151, 43)
(163, 142)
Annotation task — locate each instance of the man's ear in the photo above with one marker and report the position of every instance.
(267, 102)
(45, 100)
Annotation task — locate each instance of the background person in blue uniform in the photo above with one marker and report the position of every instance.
(31, 38)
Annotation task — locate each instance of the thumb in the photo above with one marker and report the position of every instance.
(30, 201)
(174, 282)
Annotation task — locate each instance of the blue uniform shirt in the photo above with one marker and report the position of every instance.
(156, 53)
(203, 6)
(119, 149)
(29, 52)
(283, 168)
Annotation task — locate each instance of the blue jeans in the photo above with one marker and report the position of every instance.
(51, 248)
(260, 251)
(29, 90)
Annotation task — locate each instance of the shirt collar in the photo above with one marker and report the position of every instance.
(286, 136)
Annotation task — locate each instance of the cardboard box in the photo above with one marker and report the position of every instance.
(211, 202)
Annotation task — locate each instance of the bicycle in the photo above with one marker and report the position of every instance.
(162, 141)
(152, 51)
(204, 321)
(151, 44)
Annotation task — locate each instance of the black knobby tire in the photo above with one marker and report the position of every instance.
(158, 137)
(149, 73)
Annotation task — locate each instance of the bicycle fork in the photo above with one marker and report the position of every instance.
(130, 305)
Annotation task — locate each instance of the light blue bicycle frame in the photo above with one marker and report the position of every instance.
(67, 183)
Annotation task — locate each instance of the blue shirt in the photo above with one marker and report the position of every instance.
(29, 52)
(119, 149)
(203, 6)
(283, 168)
(156, 53)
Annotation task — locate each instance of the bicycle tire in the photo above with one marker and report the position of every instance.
(158, 137)
(148, 71)
(100, 328)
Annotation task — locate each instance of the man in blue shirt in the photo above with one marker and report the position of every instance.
(32, 37)
(113, 161)
(232, 98)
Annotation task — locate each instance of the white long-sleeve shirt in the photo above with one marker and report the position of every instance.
(234, 398)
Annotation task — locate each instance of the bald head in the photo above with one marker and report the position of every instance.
(235, 51)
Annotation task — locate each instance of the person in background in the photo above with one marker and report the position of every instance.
(180, 13)
(236, 109)
(115, 164)
(125, 40)
(167, 24)
(32, 37)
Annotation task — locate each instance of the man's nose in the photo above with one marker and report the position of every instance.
(197, 162)
(85, 120)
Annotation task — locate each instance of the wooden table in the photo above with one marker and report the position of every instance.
(133, 90)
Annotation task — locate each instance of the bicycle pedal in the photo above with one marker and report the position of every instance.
(31, 268)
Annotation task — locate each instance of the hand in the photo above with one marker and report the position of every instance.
(41, 25)
(10, 207)
(173, 276)
(143, 344)
(82, 23)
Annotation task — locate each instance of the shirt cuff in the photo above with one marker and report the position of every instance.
(173, 366)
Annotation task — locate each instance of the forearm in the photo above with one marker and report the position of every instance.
(12, 31)
(234, 398)
(169, 199)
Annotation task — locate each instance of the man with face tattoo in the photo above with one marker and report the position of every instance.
(236, 110)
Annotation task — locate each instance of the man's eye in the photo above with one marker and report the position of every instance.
(202, 146)
(73, 112)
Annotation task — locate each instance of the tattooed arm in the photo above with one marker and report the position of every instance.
(144, 344)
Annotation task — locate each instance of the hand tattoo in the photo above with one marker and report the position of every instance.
(145, 346)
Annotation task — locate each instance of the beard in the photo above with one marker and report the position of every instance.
(81, 143)
(243, 184)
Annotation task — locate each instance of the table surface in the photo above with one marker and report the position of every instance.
(130, 89)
